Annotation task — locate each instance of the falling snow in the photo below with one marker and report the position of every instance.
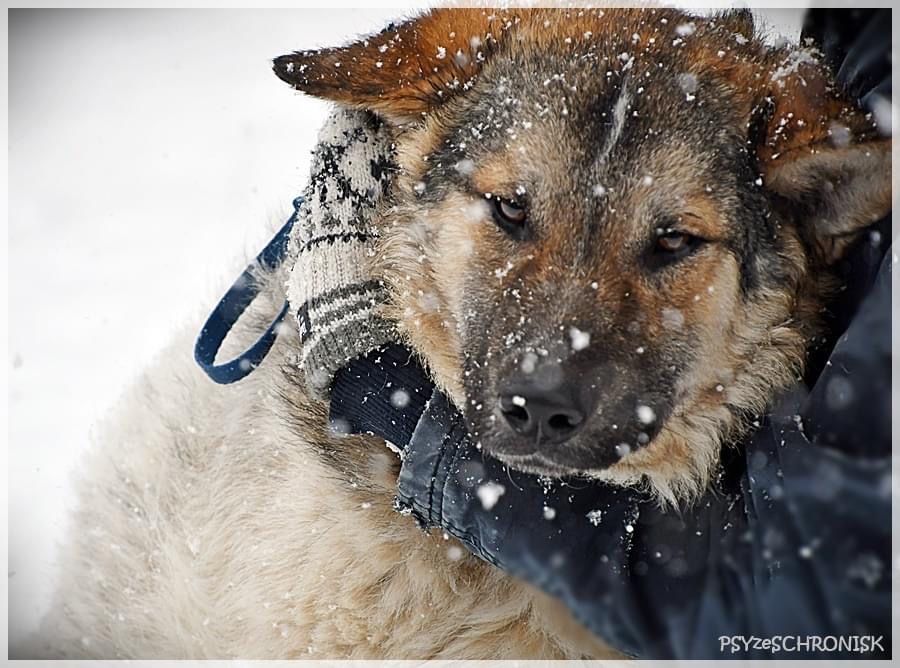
(839, 134)
(866, 568)
(529, 362)
(339, 427)
(839, 393)
(489, 493)
(792, 65)
(502, 272)
(882, 111)
(580, 340)
(672, 319)
(400, 398)
(687, 82)
(646, 414)
(465, 167)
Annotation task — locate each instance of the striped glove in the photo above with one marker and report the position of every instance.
(330, 291)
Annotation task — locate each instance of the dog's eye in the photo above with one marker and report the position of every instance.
(673, 242)
(672, 245)
(509, 216)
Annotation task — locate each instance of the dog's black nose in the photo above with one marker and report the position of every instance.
(552, 416)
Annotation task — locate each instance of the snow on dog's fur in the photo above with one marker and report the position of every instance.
(226, 522)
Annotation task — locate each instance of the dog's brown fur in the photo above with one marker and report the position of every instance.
(452, 271)
(225, 522)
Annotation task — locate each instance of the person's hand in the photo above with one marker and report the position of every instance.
(331, 292)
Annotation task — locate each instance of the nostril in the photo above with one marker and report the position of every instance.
(512, 407)
(561, 422)
(515, 413)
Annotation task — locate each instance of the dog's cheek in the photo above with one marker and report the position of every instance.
(455, 251)
(438, 303)
(692, 322)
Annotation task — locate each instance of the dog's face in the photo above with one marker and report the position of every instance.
(607, 224)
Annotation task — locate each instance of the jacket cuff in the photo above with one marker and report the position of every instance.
(429, 460)
(382, 393)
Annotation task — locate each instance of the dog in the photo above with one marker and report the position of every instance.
(621, 223)
(610, 238)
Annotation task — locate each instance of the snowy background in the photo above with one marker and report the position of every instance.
(150, 153)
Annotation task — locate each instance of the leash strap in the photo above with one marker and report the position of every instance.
(232, 306)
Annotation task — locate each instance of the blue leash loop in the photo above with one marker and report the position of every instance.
(232, 306)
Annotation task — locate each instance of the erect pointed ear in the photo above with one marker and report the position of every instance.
(821, 155)
(405, 70)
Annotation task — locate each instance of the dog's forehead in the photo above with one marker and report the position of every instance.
(602, 109)
(601, 148)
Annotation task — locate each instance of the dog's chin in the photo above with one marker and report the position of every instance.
(536, 464)
(568, 460)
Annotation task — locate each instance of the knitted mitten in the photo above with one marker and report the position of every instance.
(329, 289)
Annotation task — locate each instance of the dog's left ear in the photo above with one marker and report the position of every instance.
(404, 71)
(820, 155)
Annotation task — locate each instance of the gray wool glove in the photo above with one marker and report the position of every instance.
(330, 290)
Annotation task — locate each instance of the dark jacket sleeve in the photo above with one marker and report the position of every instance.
(795, 544)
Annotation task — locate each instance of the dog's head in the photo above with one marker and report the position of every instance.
(609, 226)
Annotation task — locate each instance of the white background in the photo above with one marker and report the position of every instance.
(150, 153)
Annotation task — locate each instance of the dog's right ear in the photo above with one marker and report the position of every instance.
(404, 71)
(821, 155)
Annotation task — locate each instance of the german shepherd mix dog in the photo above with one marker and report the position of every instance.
(610, 239)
